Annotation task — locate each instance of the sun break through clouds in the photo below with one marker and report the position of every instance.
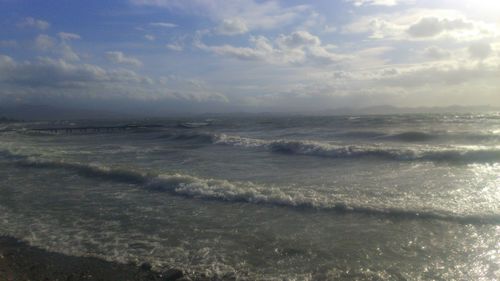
(226, 56)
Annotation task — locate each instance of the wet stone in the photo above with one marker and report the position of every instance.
(172, 274)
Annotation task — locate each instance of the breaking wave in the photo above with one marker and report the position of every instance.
(453, 154)
(223, 190)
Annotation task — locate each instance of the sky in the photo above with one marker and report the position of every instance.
(171, 56)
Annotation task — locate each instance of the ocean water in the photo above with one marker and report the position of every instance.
(396, 197)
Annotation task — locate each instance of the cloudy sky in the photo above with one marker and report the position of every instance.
(249, 55)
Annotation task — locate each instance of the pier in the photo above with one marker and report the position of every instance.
(91, 129)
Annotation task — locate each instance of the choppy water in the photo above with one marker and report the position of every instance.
(403, 197)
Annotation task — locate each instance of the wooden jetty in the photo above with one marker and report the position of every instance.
(92, 129)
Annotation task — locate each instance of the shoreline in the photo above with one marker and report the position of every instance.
(20, 261)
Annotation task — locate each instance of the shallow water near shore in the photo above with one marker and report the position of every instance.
(402, 197)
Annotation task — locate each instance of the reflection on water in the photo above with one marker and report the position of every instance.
(190, 200)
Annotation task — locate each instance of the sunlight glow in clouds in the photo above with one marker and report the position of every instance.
(483, 6)
(253, 55)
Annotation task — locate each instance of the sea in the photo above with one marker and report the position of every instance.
(382, 197)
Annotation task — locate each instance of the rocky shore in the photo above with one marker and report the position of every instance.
(21, 262)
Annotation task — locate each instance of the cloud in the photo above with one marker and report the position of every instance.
(298, 39)
(436, 53)
(48, 44)
(480, 50)
(436, 75)
(378, 2)
(244, 53)
(281, 51)
(163, 24)
(254, 14)
(232, 27)
(438, 83)
(6, 62)
(57, 79)
(191, 89)
(299, 47)
(176, 46)
(377, 27)
(430, 84)
(47, 78)
(68, 36)
(330, 28)
(260, 50)
(48, 72)
(432, 26)
(67, 53)
(420, 25)
(120, 58)
(44, 42)
(30, 22)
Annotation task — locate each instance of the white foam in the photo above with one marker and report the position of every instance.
(239, 191)
(326, 149)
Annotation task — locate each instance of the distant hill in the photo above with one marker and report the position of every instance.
(388, 109)
(372, 110)
(49, 112)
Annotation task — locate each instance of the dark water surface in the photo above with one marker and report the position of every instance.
(400, 197)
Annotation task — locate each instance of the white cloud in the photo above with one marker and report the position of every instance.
(68, 36)
(438, 74)
(421, 24)
(163, 24)
(6, 62)
(378, 2)
(120, 58)
(432, 26)
(191, 89)
(330, 28)
(67, 53)
(44, 42)
(480, 50)
(176, 46)
(232, 27)
(298, 39)
(245, 53)
(429, 84)
(283, 51)
(436, 53)
(59, 79)
(62, 49)
(299, 47)
(255, 14)
(48, 72)
(33, 23)
(381, 26)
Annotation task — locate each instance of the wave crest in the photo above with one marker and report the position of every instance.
(223, 190)
(464, 154)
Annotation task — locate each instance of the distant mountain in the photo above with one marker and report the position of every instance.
(388, 109)
(47, 112)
